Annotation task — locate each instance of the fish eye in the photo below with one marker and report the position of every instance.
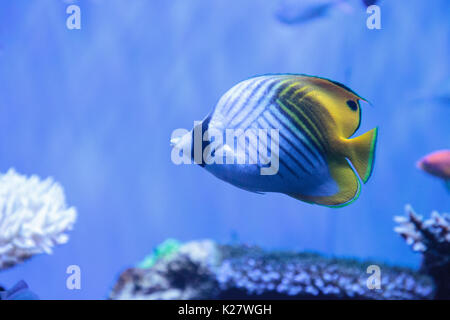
(352, 105)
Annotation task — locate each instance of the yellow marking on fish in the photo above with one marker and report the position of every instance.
(296, 92)
(305, 95)
(293, 116)
(311, 123)
(289, 87)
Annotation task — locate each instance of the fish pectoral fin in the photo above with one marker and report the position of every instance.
(362, 153)
(348, 184)
(447, 184)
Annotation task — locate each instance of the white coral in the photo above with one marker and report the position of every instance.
(420, 234)
(33, 217)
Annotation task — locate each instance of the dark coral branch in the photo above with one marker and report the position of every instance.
(431, 237)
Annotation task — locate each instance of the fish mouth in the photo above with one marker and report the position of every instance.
(420, 165)
(423, 164)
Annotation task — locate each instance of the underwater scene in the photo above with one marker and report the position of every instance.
(212, 149)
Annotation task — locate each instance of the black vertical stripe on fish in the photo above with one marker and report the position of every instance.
(292, 86)
(299, 164)
(239, 89)
(258, 164)
(250, 145)
(294, 160)
(260, 100)
(299, 152)
(311, 130)
(247, 100)
(226, 102)
(318, 148)
(281, 161)
(204, 144)
(305, 145)
(239, 96)
(258, 154)
(310, 106)
(300, 94)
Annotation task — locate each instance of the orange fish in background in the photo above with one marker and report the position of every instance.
(437, 164)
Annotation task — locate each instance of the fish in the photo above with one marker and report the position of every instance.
(20, 291)
(439, 95)
(369, 3)
(302, 11)
(437, 164)
(305, 123)
(295, 13)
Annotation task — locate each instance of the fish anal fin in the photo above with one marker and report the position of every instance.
(348, 184)
(362, 153)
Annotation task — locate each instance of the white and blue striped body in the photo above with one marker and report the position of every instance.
(253, 104)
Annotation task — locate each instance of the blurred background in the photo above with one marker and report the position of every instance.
(94, 108)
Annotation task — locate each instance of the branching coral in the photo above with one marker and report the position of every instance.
(431, 237)
(33, 217)
(284, 275)
(206, 270)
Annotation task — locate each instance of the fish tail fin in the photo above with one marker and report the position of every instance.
(362, 153)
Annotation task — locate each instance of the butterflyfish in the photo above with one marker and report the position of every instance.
(286, 133)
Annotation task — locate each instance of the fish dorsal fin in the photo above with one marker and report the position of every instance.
(341, 102)
(348, 183)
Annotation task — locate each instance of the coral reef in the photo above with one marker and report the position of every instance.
(430, 237)
(33, 217)
(206, 270)
(164, 251)
(187, 274)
